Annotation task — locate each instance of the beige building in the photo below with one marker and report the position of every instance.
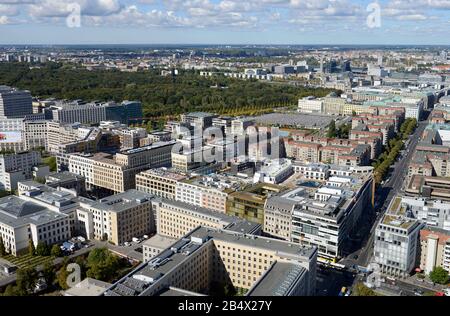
(175, 219)
(200, 192)
(256, 265)
(161, 182)
(155, 245)
(117, 173)
(434, 249)
(119, 218)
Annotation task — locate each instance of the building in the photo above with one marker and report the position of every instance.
(155, 245)
(201, 120)
(15, 103)
(35, 134)
(434, 249)
(274, 171)
(161, 182)
(117, 173)
(17, 167)
(67, 180)
(397, 241)
(203, 192)
(94, 113)
(326, 214)
(88, 287)
(433, 213)
(21, 221)
(175, 219)
(310, 105)
(249, 203)
(205, 258)
(119, 218)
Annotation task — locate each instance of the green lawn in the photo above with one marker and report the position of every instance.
(27, 261)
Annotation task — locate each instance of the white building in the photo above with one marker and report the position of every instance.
(397, 241)
(310, 105)
(17, 167)
(274, 171)
(21, 220)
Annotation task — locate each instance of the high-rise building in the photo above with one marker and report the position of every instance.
(15, 103)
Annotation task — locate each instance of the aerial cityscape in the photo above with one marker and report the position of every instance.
(224, 169)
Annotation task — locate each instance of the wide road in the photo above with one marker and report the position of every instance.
(385, 194)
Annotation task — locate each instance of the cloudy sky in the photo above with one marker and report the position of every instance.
(224, 21)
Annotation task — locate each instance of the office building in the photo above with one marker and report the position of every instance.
(161, 182)
(118, 218)
(206, 257)
(155, 245)
(14, 103)
(21, 220)
(17, 167)
(249, 203)
(175, 219)
(397, 245)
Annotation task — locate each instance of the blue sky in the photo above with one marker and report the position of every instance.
(223, 22)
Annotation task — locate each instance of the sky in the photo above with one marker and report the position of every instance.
(409, 22)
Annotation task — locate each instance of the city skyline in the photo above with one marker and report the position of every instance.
(224, 22)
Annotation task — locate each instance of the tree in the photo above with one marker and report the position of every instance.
(361, 290)
(48, 273)
(26, 280)
(102, 264)
(2, 247)
(332, 130)
(56, 251)
(31, 248)
(439, 275)
(62, 276)
(42, 249)
(11, 291)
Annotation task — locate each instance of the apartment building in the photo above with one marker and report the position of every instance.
(21, 221)
(204, 256)
(17, 167)
(161, 182)
(434, 249)
(175, 219)
(397, 241)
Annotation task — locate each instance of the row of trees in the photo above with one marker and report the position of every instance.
(392, 150)
(100, 264)
(161, 96)
(43, 250)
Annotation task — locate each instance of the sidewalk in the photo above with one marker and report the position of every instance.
(425, 284)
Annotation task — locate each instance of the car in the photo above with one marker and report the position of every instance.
(127, 244)
(418, 292)
(355, 257)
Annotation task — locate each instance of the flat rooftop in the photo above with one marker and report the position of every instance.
(142, 279)
(123, 201)
(278, 280)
